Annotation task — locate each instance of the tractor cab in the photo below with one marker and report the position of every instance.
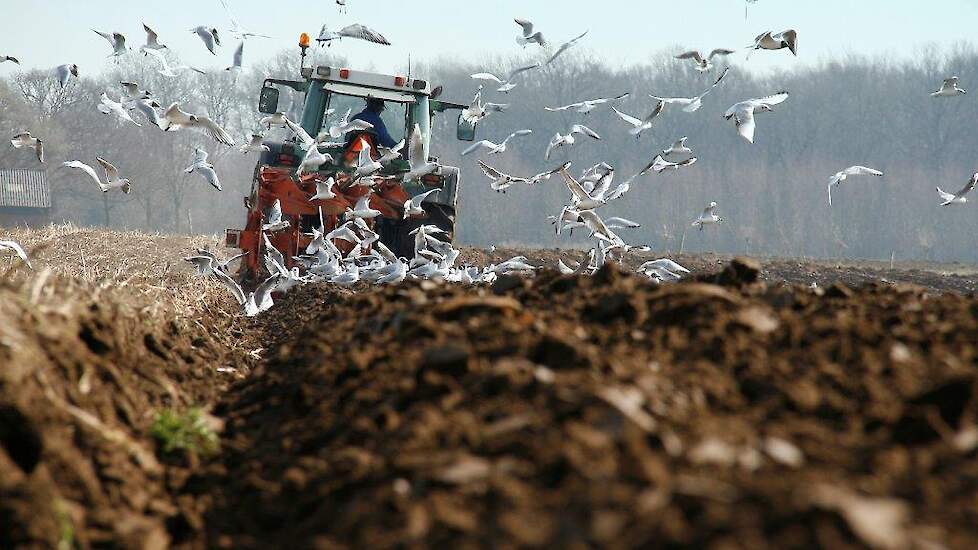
(329, 94)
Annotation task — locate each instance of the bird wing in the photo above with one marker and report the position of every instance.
(574, 186)
(527, 26)
(597, 225)
(603, 100)
(152, 39)
(300, 133)
(490, 172)
(862, 171)
(582, 129)
(226, 280)
(88, 170)
(363, 33)
(691, 55)
(486, 76)
(149, 111)
(111, 172)
(969, 187)
(715, 83)
(720, 52)
(791, 37)
(772, 100)
(622, 222)
(238, 55)
(215, 131)
(627, 118)
(517, 133)
(554, 142)
(106, 36)
(746, 126)
(565, 46)
(945, 196)
(12, 245)
(175, 116)
(416, 148)
(519, 70)
(210, 175)
(478, 145)
(418, 199)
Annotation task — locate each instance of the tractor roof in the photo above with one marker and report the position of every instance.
(360, 83)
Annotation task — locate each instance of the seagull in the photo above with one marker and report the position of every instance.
(587, 106)
(840, 177)
(362, 208)
(5, 58)
(361, 32)
(477, 110)
(678, 148)
(324, 190)
(691, 104)
(346, 125)
(662, 270)
(313, 159)
(565, 46)
(770, 41)
(420, 165)
(529, 36)
(704, 64)
(236, 28)
(559, 140)
(255, 302)
(148, 108)
(621, 223)
(116, 40)
(390, 154)
(112, 179)
(582, 199)
(177, 119)
(255, 144)
(659, 165)
(204, 168)
(949, 88)
(708, 217)
(166, 69)
(238, 59)
(563, 268)
(494, 148)
(507, 84)
(278, 120)
(743, 113)
(412, 206)
(366, 165)
(25, 139)
(959, 197)
(64, 73)
(640, 125)
(502, 181)
(133, 91)
(19, 250)
(207, 262)
(209, 36)
(107, 106)
(274, 221)
(152, 40)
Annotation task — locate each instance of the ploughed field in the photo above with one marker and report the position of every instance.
(742, 408)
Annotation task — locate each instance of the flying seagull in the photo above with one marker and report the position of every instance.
(494, 148)
(166, 69)
(585, 107)
(477, 110)
(420, 165)
(5, 58)
(678, 148)
(25, 139)
(560, 140)
(358, 31)
(238, 60)
(959, 197)
(152, 40)
(116, 40)
(565, 46)
(840, 177)
(743, 113)
(345, 125)
(704, 64)
(176, 119)
(236, 28)
(529, 36)
(64, 73)
(643, 124)
(200, 165)
(209, 36)
(708, 217)
(255, 144)
(108, 106)
(949, 88)
(691, 104)
(779, 41)
(506, 85)
(112, 179)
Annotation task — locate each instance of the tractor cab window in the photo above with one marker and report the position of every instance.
(394, 114)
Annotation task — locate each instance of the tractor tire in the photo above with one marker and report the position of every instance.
(396, 234)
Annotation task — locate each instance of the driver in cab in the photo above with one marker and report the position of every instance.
(378, 135)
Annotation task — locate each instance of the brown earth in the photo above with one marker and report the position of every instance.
(729, 411)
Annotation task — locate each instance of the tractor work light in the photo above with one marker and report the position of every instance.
(322, 70)
(419, 84)
(400, 80)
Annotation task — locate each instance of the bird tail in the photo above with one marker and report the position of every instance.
(126, 187)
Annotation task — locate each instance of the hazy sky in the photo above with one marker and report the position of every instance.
(46, 33)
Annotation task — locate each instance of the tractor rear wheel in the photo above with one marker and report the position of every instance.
(396, 234)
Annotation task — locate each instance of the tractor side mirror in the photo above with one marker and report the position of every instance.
(268, 100)
(465, 130)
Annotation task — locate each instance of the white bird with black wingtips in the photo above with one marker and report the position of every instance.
(640, 125)
(843, 175)
(492, 148)
(692, 104)
(176, 118)
(25, 139)
(420, 165)
(64, 73)
(529, 34)
(566, 46)
(112, 179)
(704, 63)
(152, 40)
(560, 140)
(505, 85)
(708, 217)
(949, 88)
(959, 197)
(209, 36)
(204, 168)
(743, 113)
(117, 40)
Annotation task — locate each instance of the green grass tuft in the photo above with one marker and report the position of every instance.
(185, 432)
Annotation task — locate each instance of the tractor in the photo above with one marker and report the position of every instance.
(330, 92)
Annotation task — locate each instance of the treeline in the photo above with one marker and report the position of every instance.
(772, 194)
